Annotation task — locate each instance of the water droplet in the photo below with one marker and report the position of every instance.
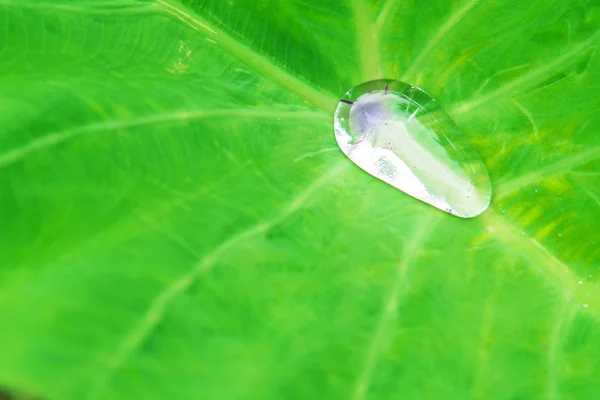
(580, 282)
(399, 134)
(586, 305)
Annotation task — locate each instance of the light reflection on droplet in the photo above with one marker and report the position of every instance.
(399, 134)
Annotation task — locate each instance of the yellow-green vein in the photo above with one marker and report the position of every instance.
(504, 189)
(368, 48)
(543, 261)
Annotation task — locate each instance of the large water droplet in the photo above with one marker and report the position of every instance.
(399, 134)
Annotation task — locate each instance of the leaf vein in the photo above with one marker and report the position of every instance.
(367, 41)
(386, 12)
(126, 7)
(563, 165)
(446, 27)
(159, 305)
(529, 78)
(390, 306)
(52, 139)
(543, 261)
(315, 96)
(557, 336)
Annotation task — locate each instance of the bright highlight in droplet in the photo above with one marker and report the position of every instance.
(399, 134)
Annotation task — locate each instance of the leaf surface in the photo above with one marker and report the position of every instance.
(178, 222)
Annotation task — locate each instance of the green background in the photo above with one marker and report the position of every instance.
(177, 222)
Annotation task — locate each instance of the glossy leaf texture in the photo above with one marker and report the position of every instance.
(178, 222)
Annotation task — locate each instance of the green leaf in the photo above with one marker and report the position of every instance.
(179, 223)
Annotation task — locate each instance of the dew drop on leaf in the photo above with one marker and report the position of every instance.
(400, 134)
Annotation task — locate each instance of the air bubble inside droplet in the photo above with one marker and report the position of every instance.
(399, 134)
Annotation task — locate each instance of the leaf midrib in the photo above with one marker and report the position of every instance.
(367, 39)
